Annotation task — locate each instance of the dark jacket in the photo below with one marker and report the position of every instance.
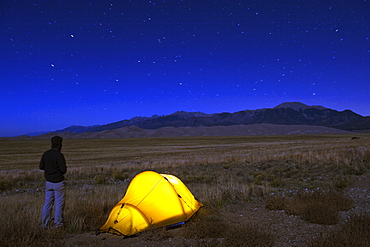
(54, 165)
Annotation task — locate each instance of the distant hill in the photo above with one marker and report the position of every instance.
(289, 113)
(284, 119)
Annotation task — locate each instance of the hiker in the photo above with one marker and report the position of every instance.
(54, 165)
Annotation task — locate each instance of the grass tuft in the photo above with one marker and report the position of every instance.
(317, 207)
(5, 185)
(209, 224)
(355, 232)
(120, 175)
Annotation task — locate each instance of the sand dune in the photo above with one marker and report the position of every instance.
(233, 130)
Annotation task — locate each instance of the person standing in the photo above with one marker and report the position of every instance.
(54, 165)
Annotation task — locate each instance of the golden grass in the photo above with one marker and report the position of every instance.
(220, 171)
(20, 223)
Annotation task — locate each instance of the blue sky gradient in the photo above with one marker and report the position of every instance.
(94, 62)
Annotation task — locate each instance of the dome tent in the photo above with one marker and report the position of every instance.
(151, 199)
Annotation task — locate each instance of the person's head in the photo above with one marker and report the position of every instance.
(56, 142)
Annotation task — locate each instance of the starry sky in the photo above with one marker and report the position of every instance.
(66, 63)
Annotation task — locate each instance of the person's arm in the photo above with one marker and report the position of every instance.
(62, 164)
(42, 163)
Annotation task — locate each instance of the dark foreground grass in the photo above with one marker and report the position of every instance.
(317, 207)
(354, 233)
(209, 225)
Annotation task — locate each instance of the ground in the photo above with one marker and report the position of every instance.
(287, 230)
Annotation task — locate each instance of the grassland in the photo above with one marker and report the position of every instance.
(257, 191)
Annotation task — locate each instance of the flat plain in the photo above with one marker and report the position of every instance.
(290, 190)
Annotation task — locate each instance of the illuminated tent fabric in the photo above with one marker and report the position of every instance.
(151, 199)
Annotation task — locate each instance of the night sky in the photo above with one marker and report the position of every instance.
(92, 62)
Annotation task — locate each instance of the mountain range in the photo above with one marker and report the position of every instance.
(286, 118)
(286, 114)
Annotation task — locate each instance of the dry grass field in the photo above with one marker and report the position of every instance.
(306, 190)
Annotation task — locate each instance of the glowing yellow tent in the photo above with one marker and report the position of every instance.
(151, 199)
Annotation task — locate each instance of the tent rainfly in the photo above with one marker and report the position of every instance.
(151, 199)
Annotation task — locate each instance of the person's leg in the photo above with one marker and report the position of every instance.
(59, 203)
(48, 204)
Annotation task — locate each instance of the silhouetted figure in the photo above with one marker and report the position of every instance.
(54, 165)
